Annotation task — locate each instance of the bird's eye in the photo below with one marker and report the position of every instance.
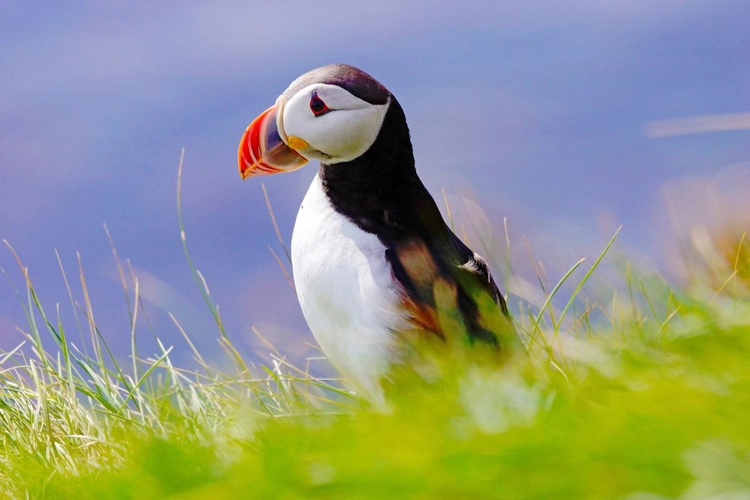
(317, 106)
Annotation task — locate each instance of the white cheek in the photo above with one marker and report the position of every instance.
(346, 134)
(341, 135)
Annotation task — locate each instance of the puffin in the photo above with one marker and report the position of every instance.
(379, 275)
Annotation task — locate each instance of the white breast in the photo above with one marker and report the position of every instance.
(346, 292)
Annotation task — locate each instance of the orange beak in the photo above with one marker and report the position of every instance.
(262, 150)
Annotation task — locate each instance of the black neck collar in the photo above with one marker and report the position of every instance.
(380, 191)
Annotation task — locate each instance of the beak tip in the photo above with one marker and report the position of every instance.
(245, 167)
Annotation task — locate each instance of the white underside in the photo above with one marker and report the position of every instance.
(346, 292)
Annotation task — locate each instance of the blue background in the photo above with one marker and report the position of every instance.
(535, 112)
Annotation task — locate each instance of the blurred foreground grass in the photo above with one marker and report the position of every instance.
(653, 403)
(641, 393)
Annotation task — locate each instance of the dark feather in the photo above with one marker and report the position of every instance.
(356, 81)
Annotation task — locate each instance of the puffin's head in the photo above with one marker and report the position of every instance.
(331, 114)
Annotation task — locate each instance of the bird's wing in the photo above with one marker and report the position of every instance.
(447, 287)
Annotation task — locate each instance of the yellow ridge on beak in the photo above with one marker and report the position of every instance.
(297, 143)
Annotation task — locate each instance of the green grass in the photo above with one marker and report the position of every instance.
(639, 392)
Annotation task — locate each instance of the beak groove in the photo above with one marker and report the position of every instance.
(262, 150)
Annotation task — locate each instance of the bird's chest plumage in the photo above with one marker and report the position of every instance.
(346, 290)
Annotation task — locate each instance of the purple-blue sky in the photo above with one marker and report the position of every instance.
(537, 112)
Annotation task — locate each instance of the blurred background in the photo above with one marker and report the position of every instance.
(569, 119)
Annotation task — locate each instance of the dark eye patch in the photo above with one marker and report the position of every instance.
(317, 105)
